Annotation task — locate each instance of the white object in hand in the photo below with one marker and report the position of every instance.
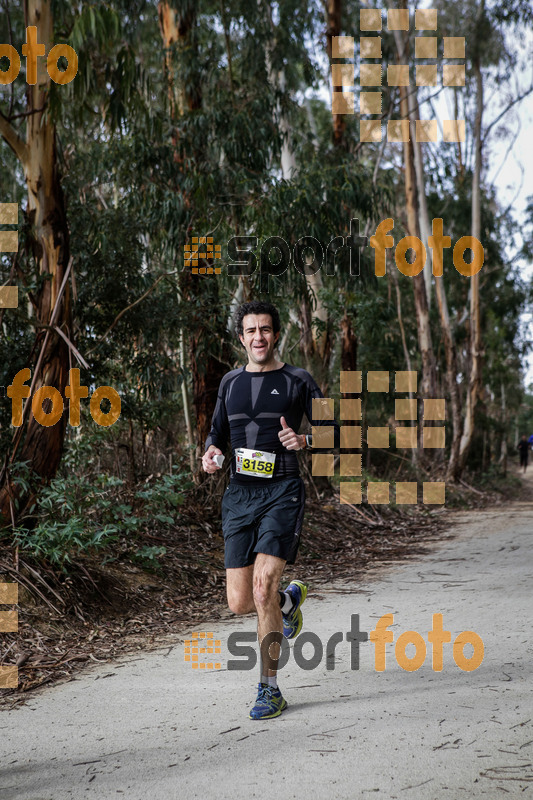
(218, 460)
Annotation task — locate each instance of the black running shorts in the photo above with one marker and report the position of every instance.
(262, 519)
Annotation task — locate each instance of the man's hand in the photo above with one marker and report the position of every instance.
(289, 439)
(207, 459)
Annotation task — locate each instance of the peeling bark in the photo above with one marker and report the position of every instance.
(476, 345)
(428, 385)
(40, 446)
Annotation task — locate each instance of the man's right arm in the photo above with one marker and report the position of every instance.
(219, 435)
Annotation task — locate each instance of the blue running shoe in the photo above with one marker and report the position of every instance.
(270, 703)
(293, 621)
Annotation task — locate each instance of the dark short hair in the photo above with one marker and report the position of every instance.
(256, 307)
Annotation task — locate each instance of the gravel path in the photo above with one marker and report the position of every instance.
(150, 726)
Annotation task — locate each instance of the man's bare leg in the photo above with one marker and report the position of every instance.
(239, 588)
(266, 577)
(255, 588)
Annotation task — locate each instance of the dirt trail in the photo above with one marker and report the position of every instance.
(152, 726)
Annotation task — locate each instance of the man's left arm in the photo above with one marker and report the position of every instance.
(318, 441)
(290, 439)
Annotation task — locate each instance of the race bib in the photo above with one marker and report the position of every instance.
(254, 462)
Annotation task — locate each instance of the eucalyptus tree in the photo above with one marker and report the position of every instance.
(29, 118)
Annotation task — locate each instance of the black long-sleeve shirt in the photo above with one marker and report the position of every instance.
(248, 412)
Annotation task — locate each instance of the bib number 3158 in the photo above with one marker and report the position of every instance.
(251, 465)
(256, 463)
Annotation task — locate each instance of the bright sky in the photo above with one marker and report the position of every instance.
(514, 184)
(510, 166)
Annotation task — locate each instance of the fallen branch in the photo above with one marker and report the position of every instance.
(29, 585)
(40, 578)
(471, 488)
(358, 511)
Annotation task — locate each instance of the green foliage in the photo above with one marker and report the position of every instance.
(162, 499)
(151, 157)
(75, 517)
(149, 557)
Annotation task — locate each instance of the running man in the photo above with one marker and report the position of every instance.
(259, 410)
(523, 445)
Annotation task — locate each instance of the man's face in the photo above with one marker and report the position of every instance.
(259, 338)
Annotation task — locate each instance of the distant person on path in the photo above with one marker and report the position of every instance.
(523, 446)
(259, 410)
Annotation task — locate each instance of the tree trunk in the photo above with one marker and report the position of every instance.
(428, 384)
(333, 28)
(429, 377)
(207, 324)
(41, 446)
(452, 472)
(348, 344)
(476, 347)
(449, 344)
(185, 401)
(318, 348)
(407, 357)
(503, 455)
(402, 47)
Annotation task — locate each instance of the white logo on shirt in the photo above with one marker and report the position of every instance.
(274, 391)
